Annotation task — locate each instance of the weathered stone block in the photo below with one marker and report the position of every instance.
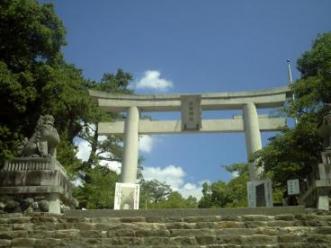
(285, 217)
(13, 234)
(290, 238)
(184, 241)
(191, 232)
(23, 242)
(162, 241)
(132, 219)
(5, 243)
(230, 224)
(66, 234)
(85, 226)
(205, 239)
(25, 226)
(256, 218)
(238, 231)
(121, 233)
(323, 230)
(92, 234)
(206, 225)
(149, 233)
(228, 239)
(180, 225)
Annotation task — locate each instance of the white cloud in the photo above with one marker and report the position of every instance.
(235, 174)
(77, 182)
(152, 80)
(112, 165)
(174, 176)
(146, 143)
(102, 138)
(84, 149)
(191, 189)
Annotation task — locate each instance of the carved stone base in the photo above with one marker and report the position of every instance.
(35, 184)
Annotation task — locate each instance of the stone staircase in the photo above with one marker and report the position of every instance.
(288, 228)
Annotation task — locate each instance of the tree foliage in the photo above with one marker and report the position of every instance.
(227, 194)
(98, 180)
(176, 200)
(99, 191)
(35, 79)
(155, 194)
(294, 152)
(31, 38)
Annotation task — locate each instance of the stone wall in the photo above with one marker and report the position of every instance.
(284, 230)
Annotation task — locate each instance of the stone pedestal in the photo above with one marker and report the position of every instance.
(35, 184)
(319, 193)
(259, 193)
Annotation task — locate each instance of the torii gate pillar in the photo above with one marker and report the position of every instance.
(130, 161)
(252, 134)
(259, 192)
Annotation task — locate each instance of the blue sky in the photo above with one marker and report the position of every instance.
(195, 46)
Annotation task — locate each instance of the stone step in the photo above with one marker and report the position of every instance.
(127, 229)
(57, 243)
(175, 213)
(245, 222)
(198, 241)
(291, 230)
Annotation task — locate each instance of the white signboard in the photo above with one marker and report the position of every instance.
(126, 196)
(293, 187)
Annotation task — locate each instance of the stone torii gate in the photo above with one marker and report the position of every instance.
(190, 106)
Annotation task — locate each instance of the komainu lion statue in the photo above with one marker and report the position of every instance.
(43, 141)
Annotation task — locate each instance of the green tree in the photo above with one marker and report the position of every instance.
(31, 38)
(109, 148)
(94, 192)
(230, 194)
(35, 79)
(99, 191)
(176, 200)
(294, 152)
(153, 192)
